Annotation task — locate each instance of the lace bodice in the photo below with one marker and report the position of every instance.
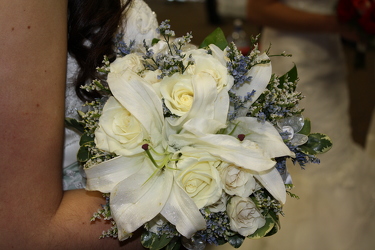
(140, 23)
(315, 6)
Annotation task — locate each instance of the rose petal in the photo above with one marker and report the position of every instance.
(105, 137)
(204, 105)
(139, 98)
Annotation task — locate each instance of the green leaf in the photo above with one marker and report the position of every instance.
(221, 241)
(217, 37)
(83, 154)
(275, 217)
(73, 123)
(155, 41)
(263, 231)
(273, 231)
(85, 142)
(153, 242)
(174, 244)
(236, 240)
(86, 139)
(317, 144)
(290, 76)
(306, 130)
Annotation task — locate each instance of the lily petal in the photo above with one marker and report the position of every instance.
(202, 126)
(221, 106)
(218, 54)
(231, 150)
(264, 134)
(105, 176)
(181, 211)
(228, 148)
(272, 181)
(138, 199)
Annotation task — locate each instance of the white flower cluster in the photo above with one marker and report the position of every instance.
(170, 165)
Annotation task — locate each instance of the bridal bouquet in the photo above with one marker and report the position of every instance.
(190, 144)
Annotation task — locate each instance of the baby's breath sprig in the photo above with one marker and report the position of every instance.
(111, 232)
(171, 62)
(165, 30)
(266, 203)
(105, 213)
(90, 118)
(97, 156)
(97, 85)
(278, 101)
(105, 67)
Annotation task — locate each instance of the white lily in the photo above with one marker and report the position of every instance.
(219, 54)
(255, 153)
(201, 133)
(139, 190)
(269, 139)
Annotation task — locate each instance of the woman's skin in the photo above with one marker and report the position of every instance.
(35, 212)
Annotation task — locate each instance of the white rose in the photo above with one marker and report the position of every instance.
(200, 179)
(236, 180)
(132, 61)
(220, 205)
(119, 131)
(140, 22)
(178, 93)
(207, 64)
(244, 216)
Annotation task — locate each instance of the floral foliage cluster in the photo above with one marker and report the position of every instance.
(191, 143)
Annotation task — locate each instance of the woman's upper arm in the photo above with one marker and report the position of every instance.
(35, 212)
(33, 37)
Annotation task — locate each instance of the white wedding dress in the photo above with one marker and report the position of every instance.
(336, 209)
(140, 24)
